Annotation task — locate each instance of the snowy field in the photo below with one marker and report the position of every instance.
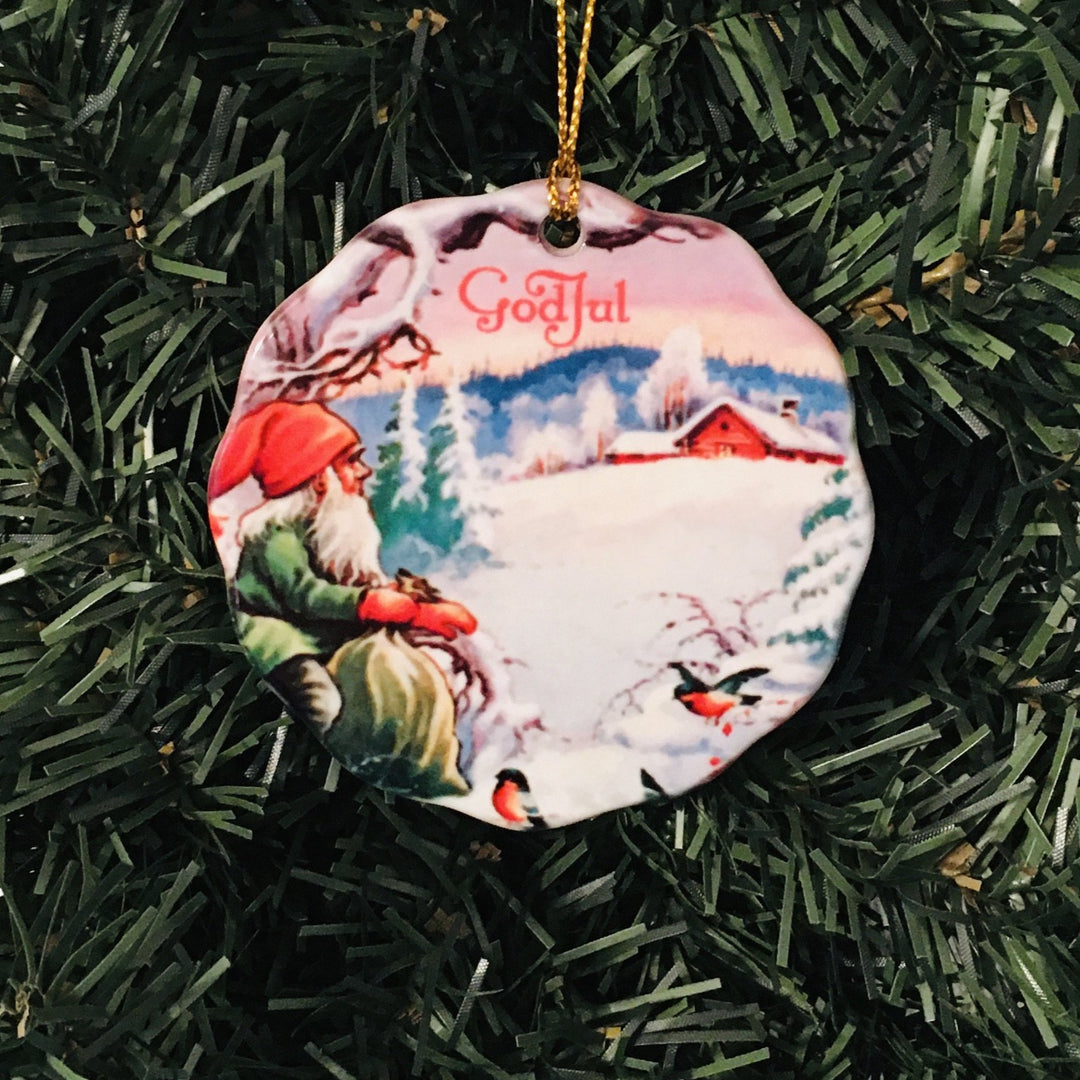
(587, 592)
(587, 554)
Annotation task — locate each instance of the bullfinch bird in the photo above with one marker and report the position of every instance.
(713, 701)
(514, 801)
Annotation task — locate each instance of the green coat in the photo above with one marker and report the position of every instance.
(283, 608)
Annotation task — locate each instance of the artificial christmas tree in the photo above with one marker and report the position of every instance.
(883, 888)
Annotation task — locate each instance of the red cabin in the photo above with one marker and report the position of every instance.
(730, 428)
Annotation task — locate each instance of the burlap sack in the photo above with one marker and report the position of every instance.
(396, 727)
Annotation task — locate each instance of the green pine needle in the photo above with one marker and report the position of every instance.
(885, 888)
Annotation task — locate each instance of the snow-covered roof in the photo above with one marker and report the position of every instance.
(643, 442)
(782, 433)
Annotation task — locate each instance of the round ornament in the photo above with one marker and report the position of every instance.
(537, 533)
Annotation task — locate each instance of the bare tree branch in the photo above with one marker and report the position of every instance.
(328, 335)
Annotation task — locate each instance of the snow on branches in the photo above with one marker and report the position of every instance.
(836, 536)
(356, 319)
(677, 385)
(413, 454)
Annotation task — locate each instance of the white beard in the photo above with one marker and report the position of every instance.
(342, 534)
(345, 538)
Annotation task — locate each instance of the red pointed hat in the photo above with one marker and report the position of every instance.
(283, 445)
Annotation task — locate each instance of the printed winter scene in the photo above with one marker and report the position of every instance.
(597, 519)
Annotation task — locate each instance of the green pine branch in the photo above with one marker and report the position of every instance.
(883, 888)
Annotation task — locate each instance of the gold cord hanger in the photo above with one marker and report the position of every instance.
(564, 176)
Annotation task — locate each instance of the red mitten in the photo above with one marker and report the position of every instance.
(386, 606)
(444, 617)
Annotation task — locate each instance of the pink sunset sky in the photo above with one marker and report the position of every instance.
(720, 285)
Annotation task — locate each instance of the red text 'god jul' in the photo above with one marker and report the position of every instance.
(561, 303)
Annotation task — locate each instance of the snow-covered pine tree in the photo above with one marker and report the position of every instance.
(413, 456)
(387, 478)
(398, 518)
(442, 520)
(457, 514)
(833, 552)
(463, 476)
(677, 384)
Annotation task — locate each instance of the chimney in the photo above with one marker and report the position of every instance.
(789, 410)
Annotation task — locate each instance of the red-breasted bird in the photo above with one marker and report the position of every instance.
(713, 701)
(514, 801)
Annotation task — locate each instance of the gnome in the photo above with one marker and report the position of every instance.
(301, 550)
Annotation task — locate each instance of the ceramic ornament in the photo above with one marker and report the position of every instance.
(537, 534)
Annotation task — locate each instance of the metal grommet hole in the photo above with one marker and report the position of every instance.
(561, 237)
